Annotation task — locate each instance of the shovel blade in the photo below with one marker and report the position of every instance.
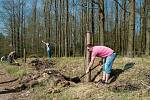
(75, 79)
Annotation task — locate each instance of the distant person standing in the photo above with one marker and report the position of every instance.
(48, 49)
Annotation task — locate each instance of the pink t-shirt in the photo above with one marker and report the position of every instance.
(101, 51)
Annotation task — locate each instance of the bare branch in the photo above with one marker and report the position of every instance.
(121, 6)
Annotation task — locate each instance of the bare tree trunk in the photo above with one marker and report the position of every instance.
(147, 51)
(66, 28)
(63, 30)
(18, 30)
(92, 22)
(124, 31)
(116, 43)
(14, 27)
(60, 33)
(22, 28)
(34, 18)
(88, 56)
(82, 32)
(56, 26)
(143, 28)
(101, 20)
(49, 21)
(74, 29)
(12, 32)
(130, 51)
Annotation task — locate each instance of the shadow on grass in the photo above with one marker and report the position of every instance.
(96, 75)
(6, 91)
(116, 72)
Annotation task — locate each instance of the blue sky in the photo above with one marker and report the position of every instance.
(109, 3)
(1, 23)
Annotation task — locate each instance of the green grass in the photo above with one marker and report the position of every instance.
(74, 66)
(132, 75)
(13, 70)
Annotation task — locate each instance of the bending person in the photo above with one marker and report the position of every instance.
(103, 52)
(11, 57)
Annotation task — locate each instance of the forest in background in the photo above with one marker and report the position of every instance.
(122, 25)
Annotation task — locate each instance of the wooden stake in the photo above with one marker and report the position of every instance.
(88, 56)
(24, 52)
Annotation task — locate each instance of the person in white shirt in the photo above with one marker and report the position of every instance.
(48, 49)
(3, 58)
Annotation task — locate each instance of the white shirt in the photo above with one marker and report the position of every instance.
(47, 46)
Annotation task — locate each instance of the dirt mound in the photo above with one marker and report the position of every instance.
(42, 64)
(51, 74)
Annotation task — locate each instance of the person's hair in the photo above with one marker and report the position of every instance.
(49, 45)
(89, 45)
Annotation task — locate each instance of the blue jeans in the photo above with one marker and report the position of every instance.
(108, 63)
(49, 53)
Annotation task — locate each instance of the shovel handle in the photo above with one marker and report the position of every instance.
(89, 71)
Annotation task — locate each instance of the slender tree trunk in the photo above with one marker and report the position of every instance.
(56, 26)
(12, 32)
(74, 29)
(60, 33)
(88, 56)
(63, 30)
(147, 51)
(18, 31)
(130, 51)
(66, 28)
(22, 28)
(116, 43)
(101, 20)
(34, 18)
(143, 28)
(82, 32)
(124, 31)
(49, 21)
(92, 22)
(14, 27)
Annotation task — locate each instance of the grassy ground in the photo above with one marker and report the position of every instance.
(130, 81)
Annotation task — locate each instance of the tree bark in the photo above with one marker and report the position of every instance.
(131, 34)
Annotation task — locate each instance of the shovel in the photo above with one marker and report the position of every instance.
(78, 79)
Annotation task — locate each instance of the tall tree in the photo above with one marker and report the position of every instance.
(101, 21)
(147, 51)
(116, 42)
(47, 21)
(34, 22)
(131, 33)
(13, 26)
(74, 28)
(143, 27)
(22, 24)
(66, 28)
(92, 19)
(124, 31)
(60, 33)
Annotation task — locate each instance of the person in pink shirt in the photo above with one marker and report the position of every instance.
(108, 56)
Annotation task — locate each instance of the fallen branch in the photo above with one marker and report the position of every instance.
(9, 81)
(121, 6)
(13, 89)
